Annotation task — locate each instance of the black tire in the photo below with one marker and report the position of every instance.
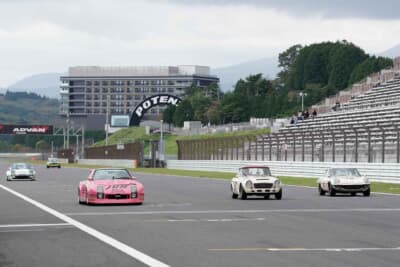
(59, 167)
(266, 196)
(242, 193)
(278, 195)
(47, 167)
(321, 191)
(332, 191)
(8, 179)
(234, 196)
(367, 193)
(353, 194)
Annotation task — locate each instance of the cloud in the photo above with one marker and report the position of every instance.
(387, 9)
(49, 36)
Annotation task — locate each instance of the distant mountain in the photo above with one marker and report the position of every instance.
(46, 84)
(391, 52)
(231, 74)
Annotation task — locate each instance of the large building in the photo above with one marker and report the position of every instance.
(86, 90)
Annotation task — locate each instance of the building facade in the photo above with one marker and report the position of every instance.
(89, 93)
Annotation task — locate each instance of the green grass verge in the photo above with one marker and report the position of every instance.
(300, 181)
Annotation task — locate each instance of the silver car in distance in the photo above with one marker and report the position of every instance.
(21, 171)
(343, 180)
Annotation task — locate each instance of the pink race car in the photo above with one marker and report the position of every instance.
(110, 186)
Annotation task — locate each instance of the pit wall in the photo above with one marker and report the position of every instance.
(380, 172)
(124, 163)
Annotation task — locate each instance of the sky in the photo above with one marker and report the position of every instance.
(38, 36)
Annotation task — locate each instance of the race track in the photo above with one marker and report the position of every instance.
(192, 222)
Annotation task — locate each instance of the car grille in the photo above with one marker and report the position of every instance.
(353, 186)
(117, 196)
(22, 177)
(262, 185)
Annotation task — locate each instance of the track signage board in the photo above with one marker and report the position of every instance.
(25, 129)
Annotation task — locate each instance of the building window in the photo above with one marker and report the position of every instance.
(104, 83)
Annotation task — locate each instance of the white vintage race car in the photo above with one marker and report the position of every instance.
(21, 171)
(255, 180)
(343, 180)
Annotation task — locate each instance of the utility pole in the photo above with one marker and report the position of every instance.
(52, 148)
(107, 115)
(161, 141)
(83, 142)
(67, 130)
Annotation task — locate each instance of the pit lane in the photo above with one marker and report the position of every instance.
(194, 222)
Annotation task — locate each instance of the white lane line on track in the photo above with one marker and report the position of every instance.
(208, 220)
(305, 249)
(18, 231)
(93, 232)
(231, 211)
(33, 225)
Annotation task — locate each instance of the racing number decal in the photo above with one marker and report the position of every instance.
(116, 186)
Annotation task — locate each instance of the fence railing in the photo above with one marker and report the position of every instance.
(356, 144)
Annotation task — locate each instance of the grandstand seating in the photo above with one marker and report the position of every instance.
(367, 125)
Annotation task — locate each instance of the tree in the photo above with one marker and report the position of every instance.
(184, 112)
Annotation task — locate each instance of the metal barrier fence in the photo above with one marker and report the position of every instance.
(120, 151)
(356, 144)
(382, 172)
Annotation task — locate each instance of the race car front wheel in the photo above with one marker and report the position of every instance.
(242, 193)
(278, 195)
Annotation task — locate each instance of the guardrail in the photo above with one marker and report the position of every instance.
(124, 163)
(381, 172)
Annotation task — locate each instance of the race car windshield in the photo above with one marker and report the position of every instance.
(344, 172)
(19, 166)
(111, 174)
(256, 171)
(53, 160)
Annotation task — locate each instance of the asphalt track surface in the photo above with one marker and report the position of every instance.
(193, 222)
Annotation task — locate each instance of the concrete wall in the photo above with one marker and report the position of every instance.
(108, 162)
(382, 172)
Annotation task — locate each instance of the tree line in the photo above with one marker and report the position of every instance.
(320, 70)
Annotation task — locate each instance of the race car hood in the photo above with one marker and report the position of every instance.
(116, 186)
(23, 172)
(349, 180)
(261, 179)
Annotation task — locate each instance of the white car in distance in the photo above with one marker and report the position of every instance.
(256, 181)
(21, 171)
(343, 180)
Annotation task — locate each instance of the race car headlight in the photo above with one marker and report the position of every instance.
(133, 191)
(249, 184)
(100, 191)
(277, 183)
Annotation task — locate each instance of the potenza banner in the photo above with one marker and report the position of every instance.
(26, 129)
(148, 103)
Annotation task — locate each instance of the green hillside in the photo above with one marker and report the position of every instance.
(134, 134)
(27, 108)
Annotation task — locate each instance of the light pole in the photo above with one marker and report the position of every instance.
(161, 140)
(107, 115)
(302, 99)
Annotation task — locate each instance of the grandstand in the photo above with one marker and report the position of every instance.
(364, 129)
